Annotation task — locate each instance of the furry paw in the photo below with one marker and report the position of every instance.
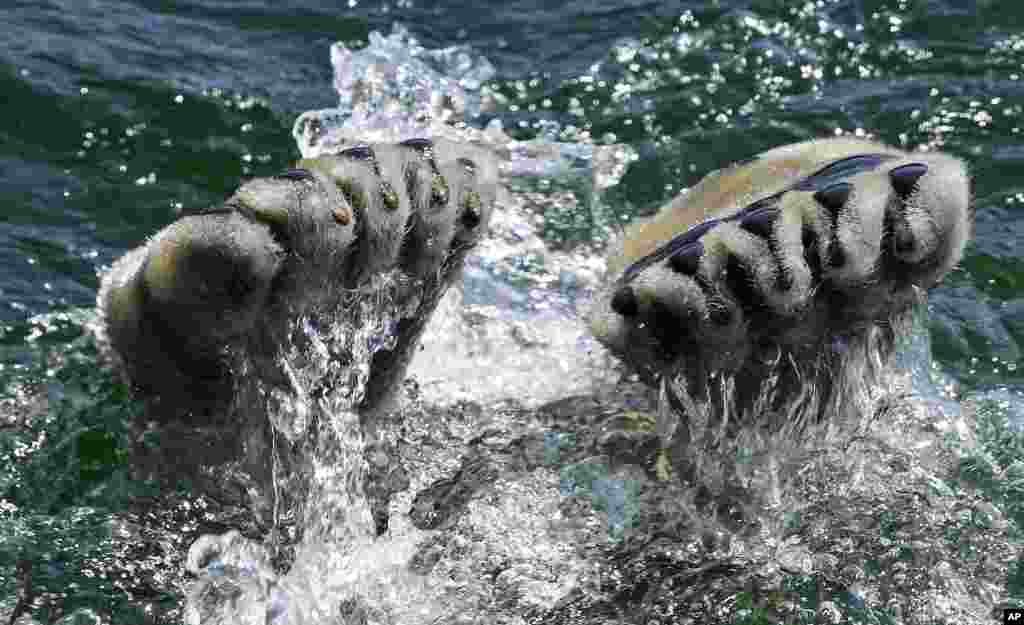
(298, 245)
(800, 245)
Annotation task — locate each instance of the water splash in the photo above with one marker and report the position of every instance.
(325, 366)
(395, 89)
(395, 73)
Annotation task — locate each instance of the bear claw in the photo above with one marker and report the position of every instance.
(834, 197)
(904, 178)
(760, 221)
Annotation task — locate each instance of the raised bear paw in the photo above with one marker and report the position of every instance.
(299, 246)
(796, 248)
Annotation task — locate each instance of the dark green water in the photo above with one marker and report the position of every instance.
(118, 113)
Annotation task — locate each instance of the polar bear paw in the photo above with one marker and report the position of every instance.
(220, 280)
(803, 244)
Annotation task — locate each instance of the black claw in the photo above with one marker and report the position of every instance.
(687, 260)
(362, 153)
(677, 243)
(834, 197)
(296, 174)
(421, 145)
(624, 302)
(760, 222)
(358, 152)
(904, 178)
(841, 169)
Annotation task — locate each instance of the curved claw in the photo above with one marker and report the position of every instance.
(297, 174)
(834, 197)
(760, 222)
(905, 177)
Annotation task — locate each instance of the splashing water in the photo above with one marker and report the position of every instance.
(395, 89)
(398, 75)
(317, 414)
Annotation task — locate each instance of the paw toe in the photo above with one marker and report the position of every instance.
(306, 213)
(211, 261)
(928, 219)
(454, 189)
